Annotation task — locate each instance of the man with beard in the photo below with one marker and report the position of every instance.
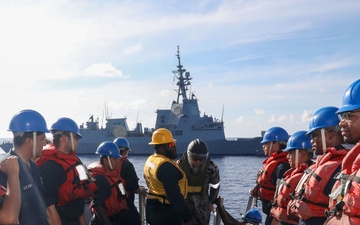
(166, 182)
(345, 198)
(203, 179)
(311, 196)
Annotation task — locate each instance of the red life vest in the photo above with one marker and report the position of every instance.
(264, 188)
(282, 198)
(73, 188)
(343, 206)
(3, 191)
(351, 161)
(118, 170)
(117, 201)
(293, 204)
(342, 220)
(310, 200)
(352, 196)
(350, 164)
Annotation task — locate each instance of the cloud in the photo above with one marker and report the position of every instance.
(133, 49)
(104, 70)
(240, 119)
(285, 58)
(259, 111)
(306, 116)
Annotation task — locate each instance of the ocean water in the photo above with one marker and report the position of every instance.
(237, 175)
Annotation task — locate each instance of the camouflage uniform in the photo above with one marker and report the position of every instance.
(199, 201)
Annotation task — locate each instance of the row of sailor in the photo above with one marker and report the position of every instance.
(321, 191)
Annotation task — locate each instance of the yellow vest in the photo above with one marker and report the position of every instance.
(155, 186)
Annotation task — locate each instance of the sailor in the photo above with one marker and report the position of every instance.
(300, 158)
(29, 128)
(110, 198)
(345, 198)
(131, 182)
(252, 216)
(10, 196)
(203, 180)
(311, 197)
(166, 182)
(274, 141)
(66, 179)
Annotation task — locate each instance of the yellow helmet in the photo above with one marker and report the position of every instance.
(161, 136)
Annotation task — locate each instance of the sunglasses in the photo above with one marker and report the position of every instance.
(198, 159)
(347, 115)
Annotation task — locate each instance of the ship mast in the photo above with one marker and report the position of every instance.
(183, 79)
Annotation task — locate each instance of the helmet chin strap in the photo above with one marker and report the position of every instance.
(72, 141)
(323, 139)
(34, 144)
(270, 148)
(111, 167)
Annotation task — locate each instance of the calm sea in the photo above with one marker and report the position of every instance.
(237, 174)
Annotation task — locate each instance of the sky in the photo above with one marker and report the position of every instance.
(254, 63)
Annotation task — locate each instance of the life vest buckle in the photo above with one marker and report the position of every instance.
(341, 176)
(339, 206)
(336, 211)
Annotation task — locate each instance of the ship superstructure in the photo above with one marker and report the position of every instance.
(183, 119)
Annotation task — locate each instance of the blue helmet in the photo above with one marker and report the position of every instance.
(323, 118)
(108, 148)
(252, 215)
(351, 98)
(28, 120)
(299, 140)
(66, 124)
(122, 143)
(275, 134)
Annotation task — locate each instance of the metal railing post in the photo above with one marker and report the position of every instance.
(217, 218)
(142, 209)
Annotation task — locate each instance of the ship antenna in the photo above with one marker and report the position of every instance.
(222, 114)
(137, 116)
(183, 80)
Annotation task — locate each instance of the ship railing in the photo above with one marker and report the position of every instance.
(142, 211)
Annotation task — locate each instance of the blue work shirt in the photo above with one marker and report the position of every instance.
(33, 209)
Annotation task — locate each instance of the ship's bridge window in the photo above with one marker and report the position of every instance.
(178, 132)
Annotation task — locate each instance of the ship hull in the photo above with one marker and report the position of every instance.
(139, 145)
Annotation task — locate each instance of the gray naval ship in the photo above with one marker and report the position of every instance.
(183, 119)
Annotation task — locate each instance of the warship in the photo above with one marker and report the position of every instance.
(184, 121)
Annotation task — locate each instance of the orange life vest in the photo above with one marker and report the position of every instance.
(342, 220)
(264, 188)
(117, 201)
(73, 188)
(310, 200)
(350, 163)
(283, 195)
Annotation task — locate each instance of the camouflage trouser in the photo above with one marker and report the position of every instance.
(200, 209)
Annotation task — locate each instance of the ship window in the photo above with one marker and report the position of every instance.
(178, 132)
